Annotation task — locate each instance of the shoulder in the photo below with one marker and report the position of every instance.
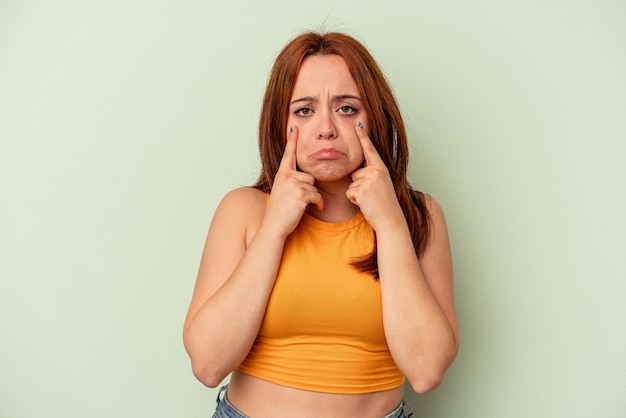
(243, 208)
(244, 197)
(434, 209)
(438, 240)
(428, 209)
(243, 203)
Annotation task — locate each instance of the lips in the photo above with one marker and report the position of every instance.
(327, 154)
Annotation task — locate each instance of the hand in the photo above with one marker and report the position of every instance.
(372, 189)
(292, 191)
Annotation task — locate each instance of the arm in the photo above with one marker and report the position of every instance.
(236, 279)
(417, 295)
(418, 301)
(231, 292)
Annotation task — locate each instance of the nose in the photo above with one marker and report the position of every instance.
(326, 128)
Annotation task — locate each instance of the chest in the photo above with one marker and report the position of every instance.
(319, 294)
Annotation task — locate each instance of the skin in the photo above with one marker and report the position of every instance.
(325, 107)
(330, 169)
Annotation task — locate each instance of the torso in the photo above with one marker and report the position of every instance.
(260, 398)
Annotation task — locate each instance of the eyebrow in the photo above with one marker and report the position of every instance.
(334, 98)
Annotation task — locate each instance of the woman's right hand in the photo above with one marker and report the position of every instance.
(291, 193)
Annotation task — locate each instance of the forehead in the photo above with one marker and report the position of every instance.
(320, 73)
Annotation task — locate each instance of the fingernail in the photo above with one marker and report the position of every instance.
(359, 125)
(291, 130)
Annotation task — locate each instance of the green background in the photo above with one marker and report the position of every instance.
(122, 124)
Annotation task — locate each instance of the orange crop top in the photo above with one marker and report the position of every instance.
(323, 328)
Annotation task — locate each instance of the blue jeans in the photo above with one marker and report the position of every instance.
(226, 410)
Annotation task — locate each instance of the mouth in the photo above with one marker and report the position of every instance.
(327, 154)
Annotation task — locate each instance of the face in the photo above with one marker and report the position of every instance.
(325, 107)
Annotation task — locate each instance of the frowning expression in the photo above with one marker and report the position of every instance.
(325, 107)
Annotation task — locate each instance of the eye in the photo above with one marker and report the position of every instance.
(347, 110)
(303, 111)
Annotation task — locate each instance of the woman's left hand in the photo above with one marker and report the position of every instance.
(371, 188)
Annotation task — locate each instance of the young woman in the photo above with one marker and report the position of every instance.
(329, 282)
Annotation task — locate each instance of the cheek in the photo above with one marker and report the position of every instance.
(300, 154)
(358, 158)
(354, 145)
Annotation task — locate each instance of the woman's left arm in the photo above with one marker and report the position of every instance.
(418, 302)
(417, 294)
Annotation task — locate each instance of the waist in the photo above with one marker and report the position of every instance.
(257, 397)
(323, 367)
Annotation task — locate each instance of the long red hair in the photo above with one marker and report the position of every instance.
(386, 126)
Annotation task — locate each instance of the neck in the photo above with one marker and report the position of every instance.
(337, 207)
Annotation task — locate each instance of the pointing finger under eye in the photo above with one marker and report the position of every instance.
(289, 156)
(369, 150)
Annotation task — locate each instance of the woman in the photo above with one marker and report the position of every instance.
(328, 283)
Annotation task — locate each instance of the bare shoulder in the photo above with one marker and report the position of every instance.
(244, 199)
(434, 208)
(234, 223)
(244, 206)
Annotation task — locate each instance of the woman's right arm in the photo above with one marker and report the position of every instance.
(236, 278)
(232, 289)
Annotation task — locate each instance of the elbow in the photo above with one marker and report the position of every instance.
(203, 366)
(427, 377)
(207, 375)
(423, 386)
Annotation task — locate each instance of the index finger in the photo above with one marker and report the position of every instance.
(289, 156)
(372, 157)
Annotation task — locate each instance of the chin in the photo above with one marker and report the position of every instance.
(330, 172)
(333, 179)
